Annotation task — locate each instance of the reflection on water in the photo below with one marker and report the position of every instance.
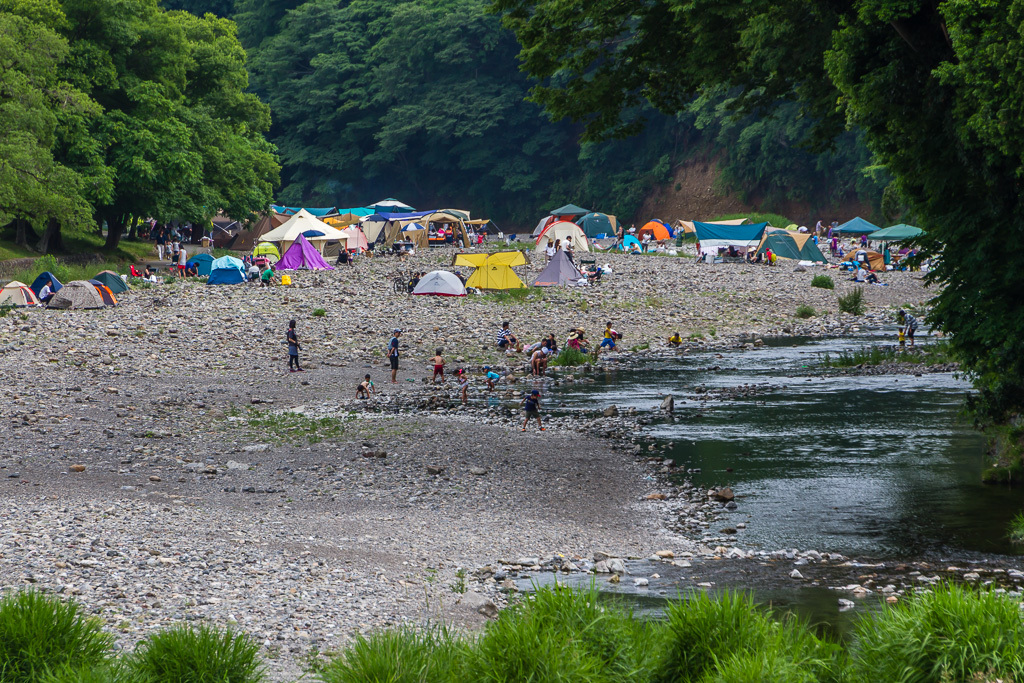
(869, 466)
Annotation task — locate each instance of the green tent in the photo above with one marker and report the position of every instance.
(569, 210)
(112, 280)
(796, 246)
(595, 224)
(896, 233)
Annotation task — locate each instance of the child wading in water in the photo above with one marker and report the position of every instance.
(365, 388)
(531, 408)
(293, 348)
(438, 365)
(463, 384)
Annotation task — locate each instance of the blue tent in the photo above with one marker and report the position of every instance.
(385, 216)
(227, 270)
(628, 241)
(202, 262)
(715, 235)
(37, 284)
(857, 226)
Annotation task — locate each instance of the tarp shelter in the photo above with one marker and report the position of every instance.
(857, 226)
(493, 271)
(791, 245)
(112, 280)
(656, 229)
(108, 296)
(390, 204)
(565, 231)
(77, 294)
(356, 239)
(204, 263)
(559, 271)
(569, 210)
(302, 222)
(440, 283)
(302, 256)
(896, 233)
(595, 224)
(227, 270)
(875, 260)
(16, 293)
(44, 278)
(718, 235)
(450, 218)
(688, 228)
(293, 210)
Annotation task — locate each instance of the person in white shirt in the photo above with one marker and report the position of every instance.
(182, 260)
(550, 250)
(45, 294)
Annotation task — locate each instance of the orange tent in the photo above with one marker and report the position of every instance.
(656, 230)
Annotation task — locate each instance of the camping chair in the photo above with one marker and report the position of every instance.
(134, 272)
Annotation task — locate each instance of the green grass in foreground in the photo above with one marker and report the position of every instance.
(926, 354)
(950, 633)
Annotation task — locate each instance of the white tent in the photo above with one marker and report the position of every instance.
(440, 283)
(565, 231)
(391, 205)
(302, 222)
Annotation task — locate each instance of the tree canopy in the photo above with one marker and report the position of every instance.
(934, 86)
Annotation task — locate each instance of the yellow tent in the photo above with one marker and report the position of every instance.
(493, 271)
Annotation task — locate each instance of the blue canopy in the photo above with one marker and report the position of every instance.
(857, 226)
(227, 270)
(712, 235)
(47, 277)
(384, 216)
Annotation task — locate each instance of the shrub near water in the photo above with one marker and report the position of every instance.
(853, 302)
(805, 311)
(951, 634)
(39, 633)
(401, 656)
(569, 356)
(823, 282)
(186, 655)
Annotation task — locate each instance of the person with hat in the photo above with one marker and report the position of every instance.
(531, 408)
(393, 354)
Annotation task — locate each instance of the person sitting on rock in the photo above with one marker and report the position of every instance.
(675, 340)
(506, 340)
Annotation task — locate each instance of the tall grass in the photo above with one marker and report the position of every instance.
(823, 282)
(186, 655)
(949, 634)
(805, 311)
(400, 656)
(1017, 528)
(853, 302)
(40, 634)
(65, 272)
(926, 354)
(569, 357)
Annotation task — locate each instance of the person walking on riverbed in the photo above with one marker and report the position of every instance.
(293, 348)
(531, 409)
(393, 355)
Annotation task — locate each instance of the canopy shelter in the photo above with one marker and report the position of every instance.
(77, 294)
(417, 234)
(293, 210)
(896, 233)
(559, 271)
(108, 296)
(43, 279)
(792, 245)
(483, 225)
(347, 218)
(857, 226)
(244, 239)
(384, 227)
(595, 224)
(449, 218)
(203, 264)
(303, 256)
(493, 271)
(16, 293)
(440, 283)
(566, 232)
(112, 281)
(656, 229)
(302, 222)
(569, 210)
(687, 226)
(718, 235)
(390, 204)
(227, 270)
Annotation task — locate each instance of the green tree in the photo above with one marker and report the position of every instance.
(935, 86)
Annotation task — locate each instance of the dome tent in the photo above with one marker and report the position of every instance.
(560, 271)
(566, 232)
(77, 294)
(440, 283)
(111, 280)
(227, 270)
(43, 279)
(16, 293)
(302, 256)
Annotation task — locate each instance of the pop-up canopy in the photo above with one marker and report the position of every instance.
(715, 235)
(857, 226)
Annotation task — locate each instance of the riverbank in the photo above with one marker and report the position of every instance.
(164, 465)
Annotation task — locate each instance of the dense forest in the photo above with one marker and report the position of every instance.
(425, 100)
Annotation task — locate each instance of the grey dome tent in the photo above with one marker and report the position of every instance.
(560, 271)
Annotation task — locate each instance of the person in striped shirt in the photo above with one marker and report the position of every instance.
(909, 323)
(506, 340)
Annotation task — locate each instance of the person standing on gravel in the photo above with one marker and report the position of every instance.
(393, 355)
(531, 409)
(293, 348)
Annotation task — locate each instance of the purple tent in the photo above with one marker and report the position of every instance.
(302, 255)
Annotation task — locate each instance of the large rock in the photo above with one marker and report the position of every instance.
(668, 404)
(724, 495)
(611, 411)
(481, 604)
(616, 566)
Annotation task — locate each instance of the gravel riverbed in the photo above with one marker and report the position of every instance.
(161, 465)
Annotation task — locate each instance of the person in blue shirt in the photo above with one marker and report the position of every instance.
(531, 409)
